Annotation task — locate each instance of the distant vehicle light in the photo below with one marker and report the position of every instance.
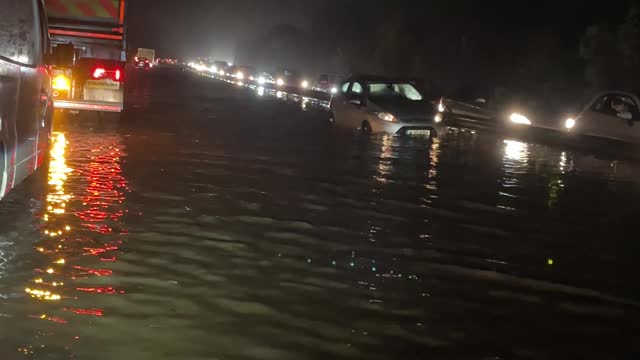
(252, 78)
(386, 116)
(262, 80)
(519, 119)
(438, 118)
(61, 82)
(240, 75)
(98, 73)
(214, 69)
(334, 90)
(441, 107)
(570, 123)
(221, 72)
(279, 82)
(305, 84)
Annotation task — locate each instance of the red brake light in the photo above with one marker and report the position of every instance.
(118, 75)
(98, 73)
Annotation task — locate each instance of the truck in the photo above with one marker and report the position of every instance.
(89, 42)
(148, 54)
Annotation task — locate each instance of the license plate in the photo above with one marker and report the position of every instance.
(103, 84)
(419, 132)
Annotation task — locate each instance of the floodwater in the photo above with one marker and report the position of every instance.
(209, 224)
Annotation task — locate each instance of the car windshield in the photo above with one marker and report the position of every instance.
(404, 91)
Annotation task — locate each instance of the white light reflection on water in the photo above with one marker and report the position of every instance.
(514, 163)
(434, 159)
(385, 163)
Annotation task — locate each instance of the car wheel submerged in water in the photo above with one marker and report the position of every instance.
(365, 128)
(331, 120)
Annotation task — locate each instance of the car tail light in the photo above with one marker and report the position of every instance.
(61, 82)
(118, 75)
(98, 73)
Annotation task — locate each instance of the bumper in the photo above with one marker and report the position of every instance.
(88, 105)
(401, 128)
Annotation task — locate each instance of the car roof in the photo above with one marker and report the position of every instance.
(376, 78)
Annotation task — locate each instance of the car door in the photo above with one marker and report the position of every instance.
(601, 120)
(354, 112)
(16, 52)
(44, 82)
(9, 87)
(29, 92)
(338, 102)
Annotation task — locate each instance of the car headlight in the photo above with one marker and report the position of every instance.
(261, 80)
(519, 119)
(441, 107)
(214, 69)
(280, 82)
(386, 116)
(240, 75)
(570, 123)
(438, 118)
(221, 72)
(334, 90)
(305, 84)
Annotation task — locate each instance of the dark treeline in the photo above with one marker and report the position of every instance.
(548, 51)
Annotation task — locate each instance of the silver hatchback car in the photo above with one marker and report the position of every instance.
(374, 105)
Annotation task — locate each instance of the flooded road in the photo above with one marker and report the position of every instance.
(208, 223)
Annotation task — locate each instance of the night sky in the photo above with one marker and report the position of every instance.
(190, 28)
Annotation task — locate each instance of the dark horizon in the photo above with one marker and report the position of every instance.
(204, 28)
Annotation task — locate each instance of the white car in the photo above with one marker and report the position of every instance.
(375, 105)
(611, 114)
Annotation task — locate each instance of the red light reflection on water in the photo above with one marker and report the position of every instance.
(101, 290)
(92, 312)
(89, 271)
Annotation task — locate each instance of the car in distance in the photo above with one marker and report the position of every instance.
(26, 100)
(142, 63)
(328, 83)
(611, 114)
(374, 104)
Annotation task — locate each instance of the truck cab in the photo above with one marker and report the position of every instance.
(89, 52)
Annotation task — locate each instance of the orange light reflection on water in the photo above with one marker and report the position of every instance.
(71, 217)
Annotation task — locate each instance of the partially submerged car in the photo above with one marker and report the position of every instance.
(611, 114)
(374, 104)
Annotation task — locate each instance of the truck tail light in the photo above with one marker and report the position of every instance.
(61, 82)
(98, 73)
